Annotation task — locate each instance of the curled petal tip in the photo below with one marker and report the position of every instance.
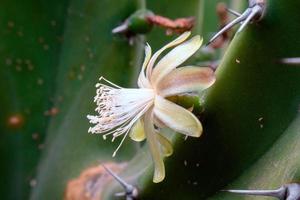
(186, 34)
(157, 178)
(199, 133)
(198, 40)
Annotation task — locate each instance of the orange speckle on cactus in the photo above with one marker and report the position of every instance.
(52, 111)
(80, 188)
(15, 121)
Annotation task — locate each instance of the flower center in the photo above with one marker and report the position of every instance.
(118, 109)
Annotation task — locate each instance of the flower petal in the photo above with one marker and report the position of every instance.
(175, 42)
(186, 79)
(137, 132)
(177, 118)
(143, 82)
(159, 167)
(166, 146)
(158, 123)
(174, 58)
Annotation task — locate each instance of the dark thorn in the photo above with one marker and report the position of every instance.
(120, 29)
(280, 193)
(237, 14)
(293, 191)
(230, 25)
(252, 3)
(254, 11)
(286, 192)
(117, 178)
(291, 61)
(130, 191)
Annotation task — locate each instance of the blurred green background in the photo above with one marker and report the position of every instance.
(53, 52)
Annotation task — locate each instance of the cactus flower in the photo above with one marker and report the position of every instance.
(139, 112)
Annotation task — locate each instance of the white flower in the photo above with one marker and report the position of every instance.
(145, 108)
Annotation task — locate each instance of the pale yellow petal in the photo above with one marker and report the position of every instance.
(143, 82)
(175, 42)
(186, 79)
(159, 167)
(177, 118)
(137, 132)
(174, 58)
(166, 145)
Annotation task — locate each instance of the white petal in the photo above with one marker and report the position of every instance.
(159, 167)
(143, 82)
(175, 42)
(174, 58)
(186, 79)
(177, 118)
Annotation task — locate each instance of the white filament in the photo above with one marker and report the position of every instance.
(118, 109)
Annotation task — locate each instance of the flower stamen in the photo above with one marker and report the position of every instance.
(118, 108)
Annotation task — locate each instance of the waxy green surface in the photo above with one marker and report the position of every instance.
(249, 120)
(52, 54)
